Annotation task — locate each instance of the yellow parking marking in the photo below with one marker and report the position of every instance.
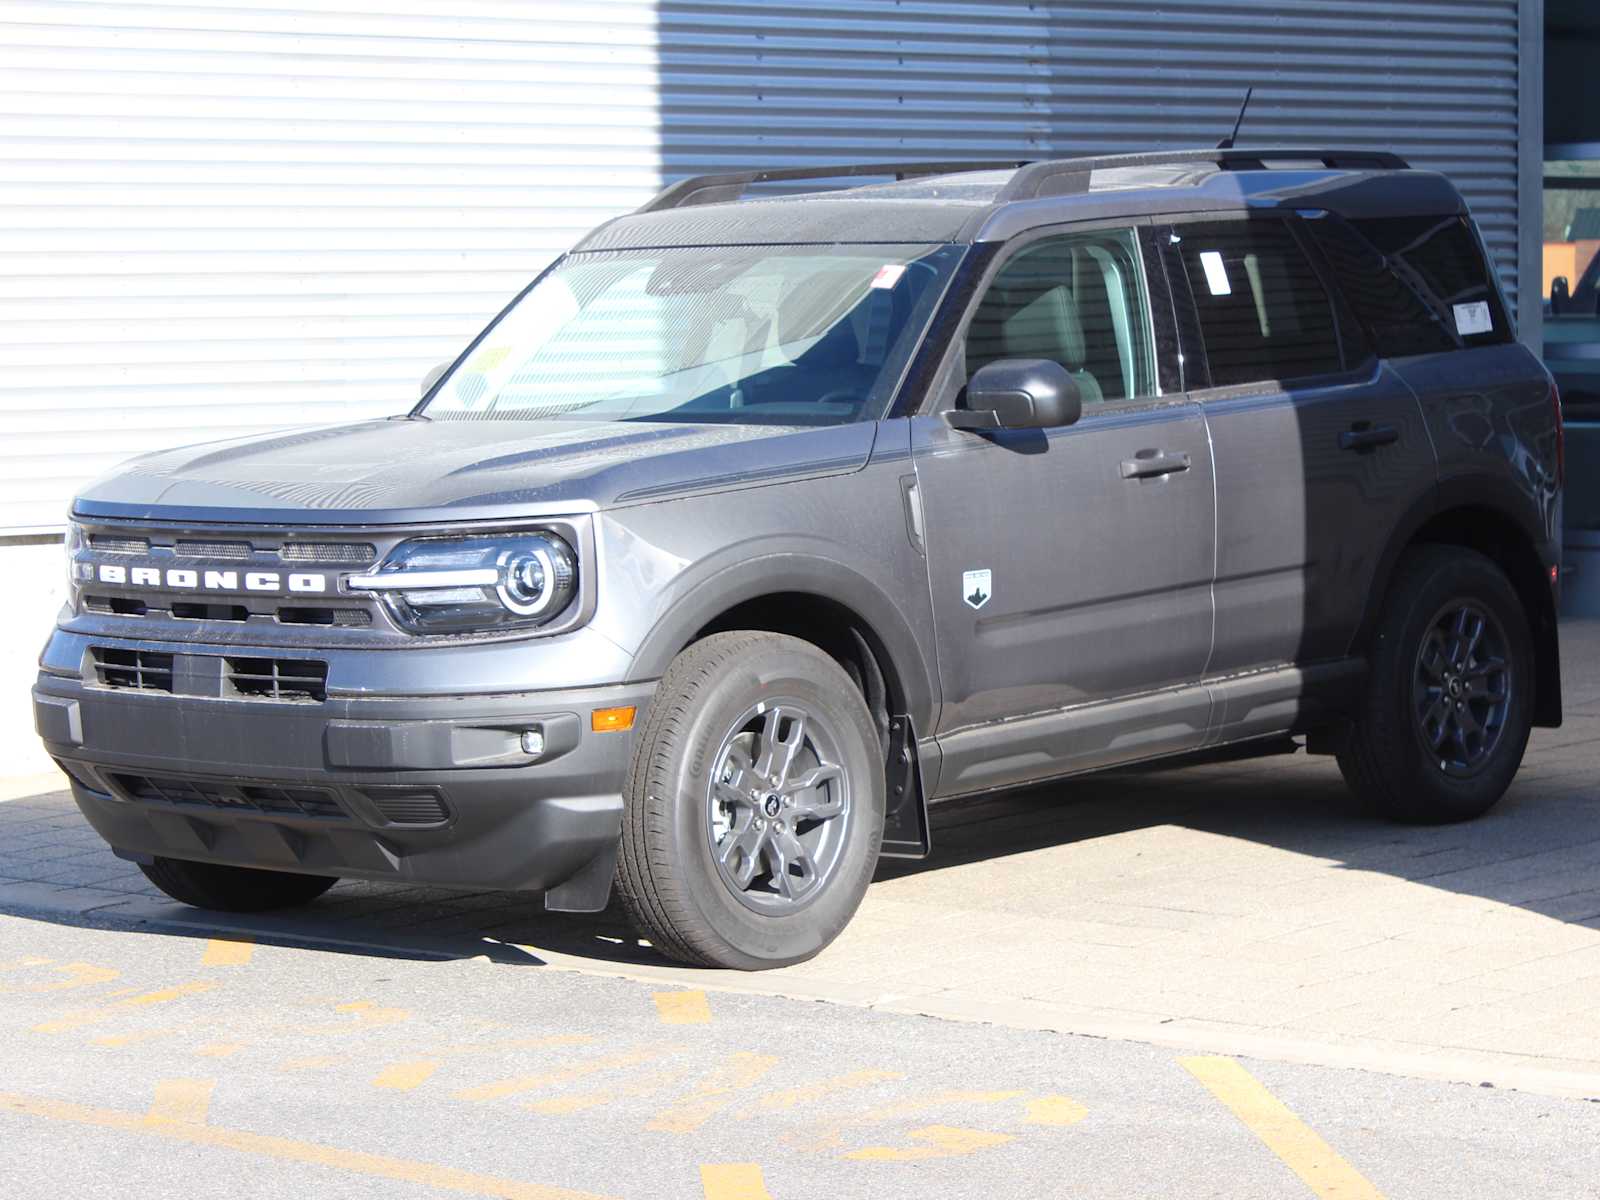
(1055, 1110)
(318, 1063)
(742, 1070)
(116, 1041)
(31, 960)
(830, 1134)
(219, 1049)
(583, 1101)
(733, 1181)
(367, 1016)
(682, 1008)
(76, 975)
(228, 952)
(942, 1141)
(554, 1078)
(403, 1076)
(376, 1166)
(1291, 1139)
(92, 1016)
(810, 1094)
(184, 1100)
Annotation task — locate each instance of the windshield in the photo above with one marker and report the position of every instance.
(760, 335)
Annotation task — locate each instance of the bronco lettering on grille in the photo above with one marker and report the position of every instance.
(182, 579)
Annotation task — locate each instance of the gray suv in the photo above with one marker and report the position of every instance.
(757, 523)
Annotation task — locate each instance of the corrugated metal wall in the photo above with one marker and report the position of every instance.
(224, 217)
(1436, 80)
(220, 218)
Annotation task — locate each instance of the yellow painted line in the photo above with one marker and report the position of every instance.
(184, 1100)
(367, 1016)
(403, 1076)
(583, 1101)
(831, 1134)
(318, 1063)
(682, 1008)
(742, 1070)
(116, 1041)
(1285, 1134)
(74, 975)
(92, 1016)
(376, 1166)
(1055, 1110)
(219, 1049)
(554, 1078)
(939, 1141)
(733, 1181)
(228, 952)
(811, 1093)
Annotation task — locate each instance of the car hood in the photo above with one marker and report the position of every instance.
(401, 471)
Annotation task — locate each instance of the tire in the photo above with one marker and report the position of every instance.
(1407, 758)
(233, 889)
(698, 876)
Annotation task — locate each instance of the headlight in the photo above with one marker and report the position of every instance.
(74, 543)
(472, 584)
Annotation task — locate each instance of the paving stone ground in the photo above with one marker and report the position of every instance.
(1242, 908)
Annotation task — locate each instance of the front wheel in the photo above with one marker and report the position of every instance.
(753, 810)
(1449, 702)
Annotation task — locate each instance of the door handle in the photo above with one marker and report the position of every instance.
(1150, 464)
(1366, 437)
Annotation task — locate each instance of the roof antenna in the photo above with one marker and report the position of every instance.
(1227, 142)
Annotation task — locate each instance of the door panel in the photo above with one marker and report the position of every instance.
(1099, 581)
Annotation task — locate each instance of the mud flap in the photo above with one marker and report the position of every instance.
(587, 890)
(905, 817)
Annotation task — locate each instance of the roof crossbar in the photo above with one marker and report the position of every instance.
(714, 189)
(1067, 176)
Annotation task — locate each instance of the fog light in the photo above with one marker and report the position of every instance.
(533, 742)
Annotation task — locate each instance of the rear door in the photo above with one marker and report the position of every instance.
(1070, 568)
(1320, 448)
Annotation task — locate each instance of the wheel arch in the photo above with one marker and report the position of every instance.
(850, 619)
(1511, 541)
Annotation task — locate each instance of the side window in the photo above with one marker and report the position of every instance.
(1418, 284)
(1079, 300)
(1264, 314)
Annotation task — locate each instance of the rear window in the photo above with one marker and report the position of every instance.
(1417, 285)
(1264, 314)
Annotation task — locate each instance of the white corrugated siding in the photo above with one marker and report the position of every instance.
(220, 218)
(228, 217)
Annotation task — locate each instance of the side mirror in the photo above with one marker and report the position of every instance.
(1560, 297)
(1019, 393)
(433, 377)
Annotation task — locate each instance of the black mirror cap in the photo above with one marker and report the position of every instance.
(1019, 393)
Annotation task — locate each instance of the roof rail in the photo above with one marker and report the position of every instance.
(1061, 177)
(714, 189)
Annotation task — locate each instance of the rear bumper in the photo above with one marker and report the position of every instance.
(432, 790)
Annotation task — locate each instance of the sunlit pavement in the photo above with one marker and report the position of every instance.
(1233, 936)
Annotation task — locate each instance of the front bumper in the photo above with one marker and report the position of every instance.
(421, 789)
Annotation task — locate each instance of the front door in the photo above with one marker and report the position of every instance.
(1070, 568)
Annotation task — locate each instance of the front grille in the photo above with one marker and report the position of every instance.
(344, 553)
(137, 670)
(111, 544)
(283, 799)
(349, 618)
(294, 679)
(213, 549)
(185, 610)
(121, 605)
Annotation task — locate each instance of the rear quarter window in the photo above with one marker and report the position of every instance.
(1417, 285)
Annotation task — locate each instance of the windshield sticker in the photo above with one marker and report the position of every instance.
(888, 275)
(975, 589)
(1216, 273)
(1473, 318)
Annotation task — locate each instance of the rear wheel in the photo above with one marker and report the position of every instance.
(1449, 701)
(233, 889)
(754, 806)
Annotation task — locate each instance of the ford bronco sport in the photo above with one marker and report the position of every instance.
(756, 523)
